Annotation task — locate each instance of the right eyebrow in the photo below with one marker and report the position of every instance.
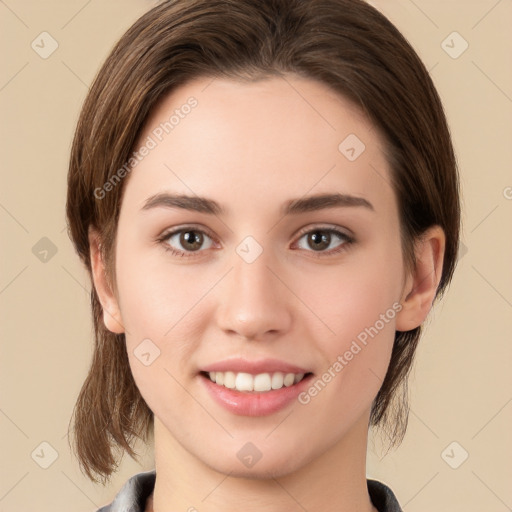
(192, 203)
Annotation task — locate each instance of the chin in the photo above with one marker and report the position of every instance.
(261, 470)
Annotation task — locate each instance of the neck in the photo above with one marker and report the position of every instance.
(335, 481)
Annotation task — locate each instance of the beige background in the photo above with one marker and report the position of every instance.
(461, 384)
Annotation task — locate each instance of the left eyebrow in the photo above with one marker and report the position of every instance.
(322, 201)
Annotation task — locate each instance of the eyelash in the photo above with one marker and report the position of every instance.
(348, 240)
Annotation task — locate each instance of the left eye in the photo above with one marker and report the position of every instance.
(321, 239)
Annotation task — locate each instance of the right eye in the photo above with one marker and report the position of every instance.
(189, 240)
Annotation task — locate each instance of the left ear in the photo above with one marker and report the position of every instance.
(422, 282)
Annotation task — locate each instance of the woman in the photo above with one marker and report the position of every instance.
(266, 197)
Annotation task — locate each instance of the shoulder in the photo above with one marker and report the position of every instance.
(382, 497)
(134, 493)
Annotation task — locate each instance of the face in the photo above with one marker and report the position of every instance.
(251, 276)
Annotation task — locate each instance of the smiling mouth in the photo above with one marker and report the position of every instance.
(260, 383)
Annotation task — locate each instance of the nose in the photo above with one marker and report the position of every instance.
(254, 301)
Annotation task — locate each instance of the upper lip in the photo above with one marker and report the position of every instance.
(255, 367)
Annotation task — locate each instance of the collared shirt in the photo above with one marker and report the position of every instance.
(134, 493)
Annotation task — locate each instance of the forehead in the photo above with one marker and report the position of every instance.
(276, 137)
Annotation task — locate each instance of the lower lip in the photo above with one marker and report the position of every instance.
(254, 403)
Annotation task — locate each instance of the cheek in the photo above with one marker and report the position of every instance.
(157, 299)
(352, 297)
(357, 352)
(163, 310)
(358, 303)
(159, 310)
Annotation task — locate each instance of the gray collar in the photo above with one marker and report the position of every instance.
(134, 493)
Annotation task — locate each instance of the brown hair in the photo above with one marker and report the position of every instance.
(346, 44)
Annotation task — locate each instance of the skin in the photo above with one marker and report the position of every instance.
(251, 147)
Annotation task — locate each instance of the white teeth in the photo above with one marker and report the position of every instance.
(229, 379)
(244, 382)
(277, 380)
(260, 383)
